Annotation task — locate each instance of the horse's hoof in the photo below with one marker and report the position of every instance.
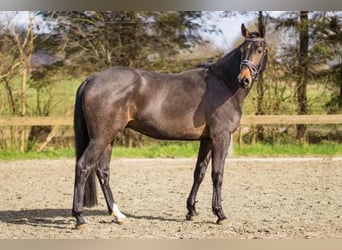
(221, 221)
(190, 217)
(119, 220)
(81, 226)
(119, 217)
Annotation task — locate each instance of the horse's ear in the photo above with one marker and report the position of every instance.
(261, 29)
(244, 30)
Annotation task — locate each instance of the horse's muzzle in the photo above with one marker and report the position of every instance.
(245, 77)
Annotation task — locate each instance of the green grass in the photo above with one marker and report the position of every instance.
(165, 150)
(48, 154)
(286, 150)
(189, 149)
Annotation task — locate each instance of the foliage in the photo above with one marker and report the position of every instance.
(94, 40)
(325, 43)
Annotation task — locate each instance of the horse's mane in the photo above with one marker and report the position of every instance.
(223, 67)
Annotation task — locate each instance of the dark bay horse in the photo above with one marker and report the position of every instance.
(203, 103)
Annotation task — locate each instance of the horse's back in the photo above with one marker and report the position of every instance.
(112, 78)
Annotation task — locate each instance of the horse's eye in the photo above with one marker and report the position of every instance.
(259, 50)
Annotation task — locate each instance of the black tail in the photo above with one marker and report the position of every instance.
(81, 143)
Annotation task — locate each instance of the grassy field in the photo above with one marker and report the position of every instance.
(189, 149)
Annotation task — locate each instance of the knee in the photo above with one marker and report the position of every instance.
(217, 178)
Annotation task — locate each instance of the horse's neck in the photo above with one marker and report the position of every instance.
(240, 96)
(228, 67)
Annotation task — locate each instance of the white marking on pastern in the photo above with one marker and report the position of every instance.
(118, 216)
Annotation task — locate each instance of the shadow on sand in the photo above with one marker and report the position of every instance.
(49, 217)
(61, 218)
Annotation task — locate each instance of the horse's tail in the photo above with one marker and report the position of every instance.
(81, 143)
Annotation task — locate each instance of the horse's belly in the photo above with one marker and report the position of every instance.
(168, 130)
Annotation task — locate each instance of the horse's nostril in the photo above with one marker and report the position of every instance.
(244, 82)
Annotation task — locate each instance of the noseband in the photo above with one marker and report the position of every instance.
(254, 69)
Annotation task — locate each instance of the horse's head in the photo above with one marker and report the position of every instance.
(253, 56)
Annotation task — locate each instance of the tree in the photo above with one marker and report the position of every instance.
(94, 40)
(260, 89)
(302, 70)
(317, 41)
(327, 49)
(17, 45)
(297, 56)
(9, 67)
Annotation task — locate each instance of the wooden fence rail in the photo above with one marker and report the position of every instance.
(36, 121)
(246, 120)
(291, 119)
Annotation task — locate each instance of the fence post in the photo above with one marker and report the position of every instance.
(231, 147)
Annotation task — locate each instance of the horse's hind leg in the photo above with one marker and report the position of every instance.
(204, 156)
(84, 166)
(103, 174)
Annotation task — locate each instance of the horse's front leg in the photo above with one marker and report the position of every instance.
(220, 147)
(203, 158)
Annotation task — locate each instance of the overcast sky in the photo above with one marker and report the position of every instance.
(231, 30)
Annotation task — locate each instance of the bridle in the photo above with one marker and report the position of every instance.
(253, 68)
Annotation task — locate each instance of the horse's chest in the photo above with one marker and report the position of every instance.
(225, 119)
